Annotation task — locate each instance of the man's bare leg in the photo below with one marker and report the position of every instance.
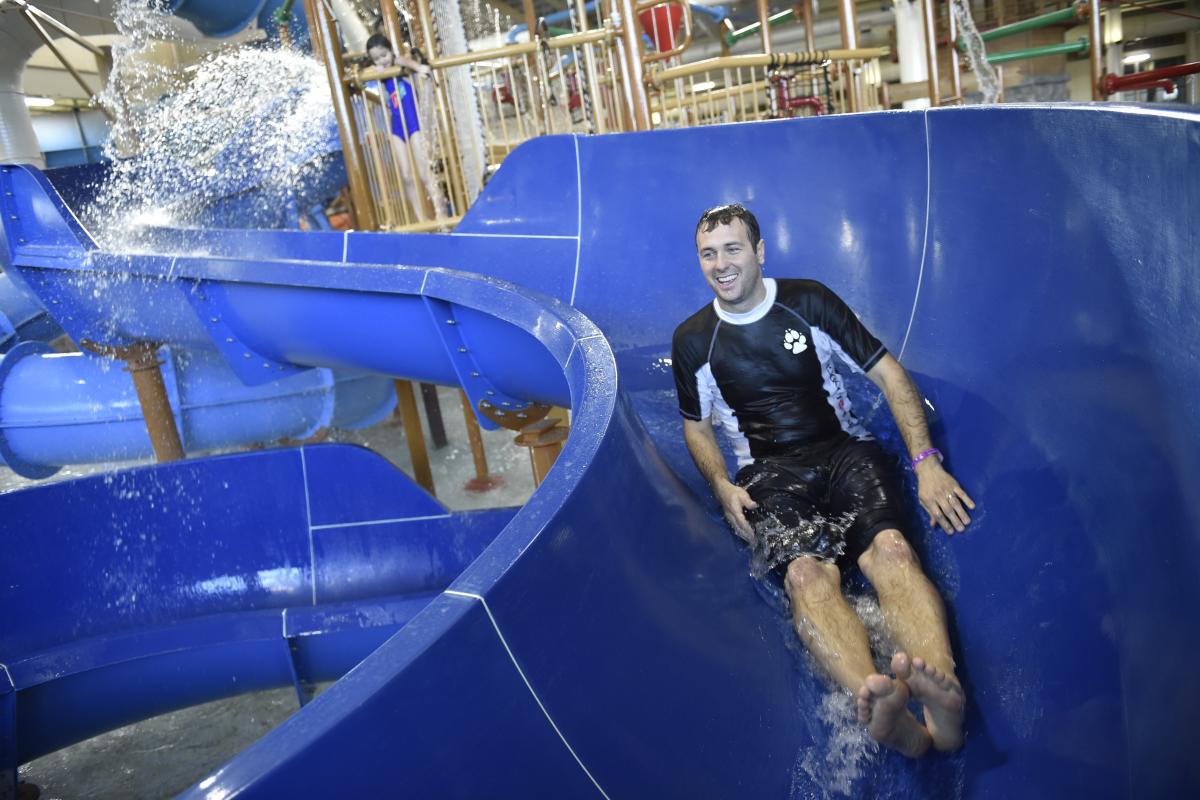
(916, 619)
(835, 636)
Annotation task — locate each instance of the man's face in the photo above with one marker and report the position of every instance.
(381, 57)
(731, 266)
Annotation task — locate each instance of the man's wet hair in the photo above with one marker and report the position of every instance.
(377, 40)
(725, 215)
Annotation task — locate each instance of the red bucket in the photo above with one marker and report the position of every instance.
(662, 24)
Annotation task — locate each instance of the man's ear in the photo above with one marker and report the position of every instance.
(761, 252)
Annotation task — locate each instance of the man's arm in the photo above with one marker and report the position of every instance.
(943, 499)
(735, 501)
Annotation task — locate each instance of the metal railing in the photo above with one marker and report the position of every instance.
(475, 107)
(748, 88)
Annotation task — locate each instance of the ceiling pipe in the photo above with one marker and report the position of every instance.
(791, 37)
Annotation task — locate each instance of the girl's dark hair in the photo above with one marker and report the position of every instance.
(378, 40)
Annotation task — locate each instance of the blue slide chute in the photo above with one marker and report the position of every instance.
(1033, 268)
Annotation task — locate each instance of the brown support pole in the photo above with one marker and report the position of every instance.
(413, 432)
(544, 439)
(433, 415)
(142, 363)
(764, 25)
(849, 20)
(482, 480)
(810, 38)
(324, 37)
(632, 41)
(531, 70)
(931, 59)
(955, 76)
(391, 25)
(1096, 49)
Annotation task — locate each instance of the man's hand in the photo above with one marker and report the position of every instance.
(735, 502)
(942, 498)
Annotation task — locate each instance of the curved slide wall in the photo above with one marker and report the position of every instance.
(1032, 267)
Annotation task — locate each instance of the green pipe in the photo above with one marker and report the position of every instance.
(1080, 46)
(1033, 23)
(733, 37)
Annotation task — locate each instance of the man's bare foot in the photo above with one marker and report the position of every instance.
(883, 708)
(940, 694)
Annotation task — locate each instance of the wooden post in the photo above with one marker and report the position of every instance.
(544, 439)
(482, 480)
(1096, 50)
(143, 365)
(631, 40)
(413, 432)
(325, 41)
(764, 25)
(931, 59)
(849, 20)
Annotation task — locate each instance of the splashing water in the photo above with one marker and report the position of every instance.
(245, 118)
(989, 82)
(786, 538)
(836, 762)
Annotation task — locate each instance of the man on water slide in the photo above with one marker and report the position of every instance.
(813, 493)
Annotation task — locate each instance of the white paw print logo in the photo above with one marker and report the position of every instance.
(794, 340)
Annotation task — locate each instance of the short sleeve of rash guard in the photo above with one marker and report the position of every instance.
(684, 369)
(831, 314)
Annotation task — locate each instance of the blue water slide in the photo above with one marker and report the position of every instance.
(71, 408)
(1033, 268)
(22, 317)
(216, 18)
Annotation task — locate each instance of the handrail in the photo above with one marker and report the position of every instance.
(765, 60)
(492, 54)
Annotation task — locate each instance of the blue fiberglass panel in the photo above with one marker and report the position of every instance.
(151, 544)
(381, 557)
(1070, 401)
(379, 491)
(822, 216)
(535, 191)
(442, 700)
(545, 263)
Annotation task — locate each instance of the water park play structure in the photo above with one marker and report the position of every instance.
(1032, 266)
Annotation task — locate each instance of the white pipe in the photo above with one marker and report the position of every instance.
(18, 142)
(910, 47)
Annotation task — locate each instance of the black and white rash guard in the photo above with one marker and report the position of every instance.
(767, 375)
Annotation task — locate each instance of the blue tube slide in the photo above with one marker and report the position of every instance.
(70, 408)
(216, 18)
(22, 317)
(1032, 266)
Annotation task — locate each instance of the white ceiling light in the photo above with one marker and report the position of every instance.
(1136, 58)
(703, 86)
(38, 102)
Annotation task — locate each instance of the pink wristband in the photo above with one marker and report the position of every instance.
(933, 451)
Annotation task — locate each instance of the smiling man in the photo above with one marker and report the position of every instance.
(813, 493)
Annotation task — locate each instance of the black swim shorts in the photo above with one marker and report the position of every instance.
(826, 502)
